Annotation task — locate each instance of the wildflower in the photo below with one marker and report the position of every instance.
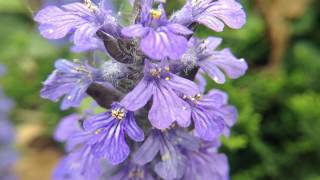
(82, 21)
(80, 163)
(159, 37)
(215, 63)
(70, 80)
(108, 140)
(211, 114)
(212, 13)
(164, 88)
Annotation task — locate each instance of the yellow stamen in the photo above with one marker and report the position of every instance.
(156, 14)
(136, 174)
(90, 5)
(166, 157)
(155, 72)
(198, 97)
(167, 78)
(195, 98)
(97, 131)
(118, 114)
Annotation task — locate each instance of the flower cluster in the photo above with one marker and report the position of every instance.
(7, 153)
(152, 86)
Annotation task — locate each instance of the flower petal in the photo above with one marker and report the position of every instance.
(132, 129)
(84, 34)
(167, 108)
(139, 96)
(114, 148)
(136, 30)
(228, 11)
(74, 98)
(214, 99)
(201, 81)
(175, 44)
(172, 165)
(57, 23)
(207, 125)
(211, 43)
(182, 85)
(98, 121)
(179, 29)
(67, 127)
(152, 46)
(213, 71)
(148, 150)
(225, 61)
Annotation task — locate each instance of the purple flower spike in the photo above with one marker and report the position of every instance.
(173, 63)
(108, 140)
(212, 13)
(164, 87)
(216, 63)
(159, 38)
(80, 20)
(70, 80)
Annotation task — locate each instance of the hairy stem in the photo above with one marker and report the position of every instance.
(102, 95)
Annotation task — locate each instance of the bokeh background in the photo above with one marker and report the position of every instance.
(277, 135)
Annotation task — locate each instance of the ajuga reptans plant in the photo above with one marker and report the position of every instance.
(158, 122)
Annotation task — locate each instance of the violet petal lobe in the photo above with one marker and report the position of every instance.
(172, 165)
(58, 22)
(67, 127)
(139, 96)
(132, 129)
(223, 61)
(110, 144)
(136, 30)
(148, 150)
(182, 85)
(207, 125)
(167, 108)
(215, 14)
(152, 46)
(179, 29)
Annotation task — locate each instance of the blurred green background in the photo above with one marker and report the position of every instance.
(277, 135)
